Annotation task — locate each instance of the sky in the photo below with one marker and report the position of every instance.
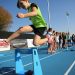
(58, 19)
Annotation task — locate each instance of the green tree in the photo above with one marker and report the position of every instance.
(5, 19)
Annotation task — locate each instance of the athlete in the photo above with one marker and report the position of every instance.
(38, 25)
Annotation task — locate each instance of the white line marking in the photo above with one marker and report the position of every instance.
(32, 62)
(13, 59)
(70, 68)
(4, 55)
(42, 58)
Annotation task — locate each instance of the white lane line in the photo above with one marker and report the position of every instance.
(43, 58)
(4, 55)
(70, 68)
(32, 62)
(13, 59)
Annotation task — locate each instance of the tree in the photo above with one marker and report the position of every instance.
(5, 19)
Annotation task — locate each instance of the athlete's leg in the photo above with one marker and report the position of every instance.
(49, 48)
(19, 31)
(38, 41)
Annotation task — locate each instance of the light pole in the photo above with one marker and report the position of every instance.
(49, 13)
(68, 34)
(67, 16)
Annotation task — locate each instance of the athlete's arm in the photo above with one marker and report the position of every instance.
(33, 13)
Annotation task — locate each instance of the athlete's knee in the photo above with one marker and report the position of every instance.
(36, 43)
(20, 30)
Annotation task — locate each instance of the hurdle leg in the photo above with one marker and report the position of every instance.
(37, 65)
(19, 65)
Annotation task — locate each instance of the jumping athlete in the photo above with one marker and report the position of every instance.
(38, 25)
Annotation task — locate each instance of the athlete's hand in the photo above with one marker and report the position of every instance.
(20, 15)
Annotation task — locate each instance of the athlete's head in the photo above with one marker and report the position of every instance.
(50, 29)
(23, 4)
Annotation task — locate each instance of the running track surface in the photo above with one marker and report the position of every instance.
(60, 63)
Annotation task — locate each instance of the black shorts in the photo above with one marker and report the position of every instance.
(38, 31)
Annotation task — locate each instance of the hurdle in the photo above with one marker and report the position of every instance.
(19, 65)
(37, 65)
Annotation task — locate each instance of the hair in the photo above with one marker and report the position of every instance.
(19, 3)
(50, 29)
